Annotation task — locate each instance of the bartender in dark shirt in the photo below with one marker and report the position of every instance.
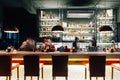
(75, 44)
(94, 44)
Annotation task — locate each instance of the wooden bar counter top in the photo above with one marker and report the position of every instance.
(73, 56)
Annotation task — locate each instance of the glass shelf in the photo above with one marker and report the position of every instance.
(49, 19)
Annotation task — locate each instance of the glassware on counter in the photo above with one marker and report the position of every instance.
(10, 49)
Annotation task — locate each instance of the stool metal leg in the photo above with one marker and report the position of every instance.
(103, 78)
(96, 78)
(112, 73)
(6, 77)
(54, 78)
(90, 78)
(24, 77)
(38, 77)
(66, 78)
(9, 77)
(17, 73)
(85, 73)
(31, 77)
(42, 72)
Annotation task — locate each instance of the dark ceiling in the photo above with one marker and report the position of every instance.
(80, 2)
(32, 5)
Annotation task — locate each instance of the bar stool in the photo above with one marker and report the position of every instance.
(31, 66)
(115, 66)
(6, 66)
(60, 66)
(96, 66)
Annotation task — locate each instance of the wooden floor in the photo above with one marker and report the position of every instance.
(75, 72)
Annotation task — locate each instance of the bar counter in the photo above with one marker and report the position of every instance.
(73, 56)
(20, 54)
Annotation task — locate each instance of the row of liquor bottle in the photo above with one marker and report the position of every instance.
(76, 25)
(66, 37)
(105, 21)
(69, 25)
(105, 17)
(106, 13)
(49, 23)
(49, 15)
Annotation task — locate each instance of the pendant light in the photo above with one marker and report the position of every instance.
(57, 28)
(105, 28)
(11, 29)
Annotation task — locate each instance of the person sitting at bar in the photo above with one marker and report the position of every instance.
(41, 48)
(66, 49)
(61, 48)
(47, 46)
(28, 45)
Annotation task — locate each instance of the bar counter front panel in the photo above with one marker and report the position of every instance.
(74, 57)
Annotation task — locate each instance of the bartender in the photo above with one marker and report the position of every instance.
(93, 42)
(75, 44)
(93, 46)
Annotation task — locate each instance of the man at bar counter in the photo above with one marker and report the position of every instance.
(47, 46)
(94, 42)
(28, 45)
(93, 46)
(75, 46)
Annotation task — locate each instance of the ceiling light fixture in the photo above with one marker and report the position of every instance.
(105, 28)
(57, 28)
(11, 30)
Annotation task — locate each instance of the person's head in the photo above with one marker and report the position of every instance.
(65, 47)
(49, 41)
(93, 38)
(29, 39)
(76, 38)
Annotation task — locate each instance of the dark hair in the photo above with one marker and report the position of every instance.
(94, 38)
(76, 38)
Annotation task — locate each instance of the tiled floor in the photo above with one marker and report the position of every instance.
(75, 72)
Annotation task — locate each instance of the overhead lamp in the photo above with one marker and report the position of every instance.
(11, 30)
(105, 28)
(57, 28)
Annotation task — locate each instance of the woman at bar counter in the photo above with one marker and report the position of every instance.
(47, 46)
(28, 45)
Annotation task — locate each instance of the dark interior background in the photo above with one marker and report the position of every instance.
(23, 20)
